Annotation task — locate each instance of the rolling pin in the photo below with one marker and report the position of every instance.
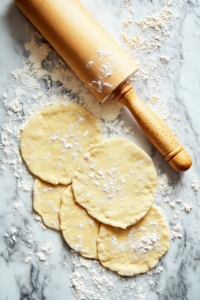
(102, 65)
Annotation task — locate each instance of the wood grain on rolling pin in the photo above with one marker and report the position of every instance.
(77, 37)
(155, 129)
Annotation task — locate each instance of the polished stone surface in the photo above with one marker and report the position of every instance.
(180, 89)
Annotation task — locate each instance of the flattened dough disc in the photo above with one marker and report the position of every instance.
(136, 249)
(47, 200)
(79, 229)
(54, 141)
(116, 182)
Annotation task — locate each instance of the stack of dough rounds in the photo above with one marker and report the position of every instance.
(54, 141)
(136, 249)
(108, 211)
(79, 229)
(47, 200)
(116, 182)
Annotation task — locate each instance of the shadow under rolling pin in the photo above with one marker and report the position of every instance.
(102, 65)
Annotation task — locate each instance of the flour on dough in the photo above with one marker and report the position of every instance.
(54, 141)
(79, 229)
(136, 249)
(115, 182)
(46, 202)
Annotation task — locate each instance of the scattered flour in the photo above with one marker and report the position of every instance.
(177, 227)
(159, 21)
(15, 106)
(39, 220)
(5, 95)
(176, 215)
(40, 256)
(187, 207)
(58, 81)
(16, 206)
(40, 86)
(93, 282)
(47, 248)
(164, 58)
(153, 99)
(165, 184)
(149, 242)
(13, 231)
(175, 233)
(172, 204)
(12, 236)
(176, 117)
(144, 37)
(166, 200)
(195, 185)
(178, 200)
(47, 280)
(28, 259)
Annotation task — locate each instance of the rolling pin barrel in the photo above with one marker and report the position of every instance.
(82, 43)
(101, 64)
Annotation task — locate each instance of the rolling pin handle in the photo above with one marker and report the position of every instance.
(155, 129)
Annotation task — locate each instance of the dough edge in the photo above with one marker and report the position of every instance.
(103, 219)
(134, 269)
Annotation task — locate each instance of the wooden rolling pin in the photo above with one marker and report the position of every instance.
(102, 65)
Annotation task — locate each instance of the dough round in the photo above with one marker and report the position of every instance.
(136, 249)
(79, 229)
(46, 202)
(116, 182)
(54, 141)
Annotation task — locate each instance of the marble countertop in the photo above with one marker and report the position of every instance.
(174, 84)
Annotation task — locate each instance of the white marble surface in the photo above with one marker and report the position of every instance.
(50, 280)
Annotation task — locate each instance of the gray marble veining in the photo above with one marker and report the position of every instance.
(50, 280)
